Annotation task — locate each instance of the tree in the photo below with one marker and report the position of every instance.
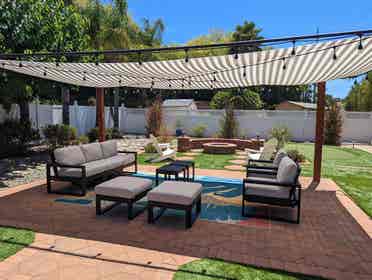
(333, 124)
(246, 32)
(28, 26)
(245, 100)
(359, 97)
(229, 124)
(154, 118)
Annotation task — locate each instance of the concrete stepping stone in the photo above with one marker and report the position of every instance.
(238, 161)
(185, 158)
(240, 157)
(196, 150)
(191, 154)
(241, 153)
(235, 167)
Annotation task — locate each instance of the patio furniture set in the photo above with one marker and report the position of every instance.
(269, 182)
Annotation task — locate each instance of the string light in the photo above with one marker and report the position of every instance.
(84, 77)
(45, 72)
(360, 47)
(284, 64)
(169, 85)
(334, 53)
(214, 77)
(245, 71)
(294, 48)
(186, 55)
(236, 56)
(190, 82)
(139, 58)
(20, 65)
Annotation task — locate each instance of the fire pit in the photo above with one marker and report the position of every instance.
(219, 148)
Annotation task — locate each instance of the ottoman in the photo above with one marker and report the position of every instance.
(175, 195)
(123, 189)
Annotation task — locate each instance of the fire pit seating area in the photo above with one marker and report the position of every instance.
(219, 148)
(81, 164)
(185, 143)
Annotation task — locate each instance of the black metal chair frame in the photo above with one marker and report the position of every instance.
(83, 180)
(118, 201)
(267, 168)
(187, 208)
(292, 201)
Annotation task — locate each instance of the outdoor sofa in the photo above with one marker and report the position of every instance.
(81, 164)
(282, 188)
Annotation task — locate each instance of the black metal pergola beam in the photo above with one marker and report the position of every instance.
(236, 45)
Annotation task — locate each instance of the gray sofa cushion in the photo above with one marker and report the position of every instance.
(279, 156)
(182, 193)
(71, 155)
(92, 168)
(287, 171)
(92, 151)
(109, 148)
(268, 191)
(124, 186)
(120, 160)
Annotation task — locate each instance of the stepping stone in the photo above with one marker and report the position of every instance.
(235, 167)
(240, 157)
(238, 161)
(185, 158)
(242, 153)
(196, 150)
(191, 154)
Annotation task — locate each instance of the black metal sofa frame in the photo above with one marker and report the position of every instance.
(292, 201)
(82, 181)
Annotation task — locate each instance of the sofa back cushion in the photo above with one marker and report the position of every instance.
(109, 148)
(71, 155)
(92, 151)
(279, 156)
(287, 171)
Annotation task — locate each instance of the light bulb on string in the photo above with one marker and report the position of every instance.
(45, 72)
(284, 64)
(139, 58)
(360, 46)
(294, 48)
(334, 53)
(244, 71)
(186, 55)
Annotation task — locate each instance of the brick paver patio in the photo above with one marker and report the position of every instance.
(333, 239)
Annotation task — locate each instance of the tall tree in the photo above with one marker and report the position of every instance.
(246, 32)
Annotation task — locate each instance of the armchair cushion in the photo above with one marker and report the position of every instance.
(92, 151)
(279, 156)
(71, 155)
(109, 148)
(268, 191)
(287, 171)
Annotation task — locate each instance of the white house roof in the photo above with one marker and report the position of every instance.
(178, 102)
(310, 106)
(309, 64)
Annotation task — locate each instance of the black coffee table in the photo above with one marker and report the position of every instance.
(188, 164)
(169, 170)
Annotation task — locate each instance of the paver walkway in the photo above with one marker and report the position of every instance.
(72, 243)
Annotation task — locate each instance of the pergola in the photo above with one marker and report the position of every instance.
(311, 59)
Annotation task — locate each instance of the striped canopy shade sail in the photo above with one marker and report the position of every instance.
(299, 65)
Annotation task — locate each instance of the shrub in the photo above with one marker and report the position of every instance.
(199, 130)
(229, 124)
(110, 133)
(59, 135)
(246, 100)
(333, 125)
(282, 134)
(296, 155)
(149, 148)
(154, 118)
(83, 139)
(164, 136)
(15, 136)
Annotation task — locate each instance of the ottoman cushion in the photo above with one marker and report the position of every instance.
(175, 192)
(123, 186)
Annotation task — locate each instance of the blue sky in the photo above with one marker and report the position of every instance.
(185, 20)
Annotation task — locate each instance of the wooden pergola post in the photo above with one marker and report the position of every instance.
(65, 105)
(319, 131)
(100, 97)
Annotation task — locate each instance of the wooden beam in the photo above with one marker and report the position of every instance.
(65, 105)
(319, 131)
(116, 108)
(100, 97)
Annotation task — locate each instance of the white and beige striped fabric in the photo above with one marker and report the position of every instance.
(310, 64)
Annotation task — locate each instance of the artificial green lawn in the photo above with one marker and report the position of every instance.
(350, 168)
(12, 240)
(209, 269)
(203, 161)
